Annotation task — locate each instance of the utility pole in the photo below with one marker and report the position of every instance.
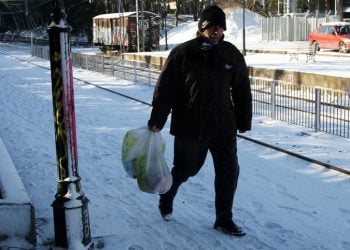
(243, 34)
(164, 16)
(137, 26)
(70, 207)
(142, 26)
(340, 10)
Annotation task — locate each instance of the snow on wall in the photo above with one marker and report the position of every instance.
(15, 205)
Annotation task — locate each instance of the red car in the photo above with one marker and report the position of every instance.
(332, 35)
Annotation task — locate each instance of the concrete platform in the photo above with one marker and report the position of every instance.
(17, 216)
(286, 71)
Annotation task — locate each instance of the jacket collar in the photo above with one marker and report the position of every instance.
(205, 45)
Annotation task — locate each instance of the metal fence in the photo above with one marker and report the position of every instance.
(290, 28)
(116, 66)
(321, 109)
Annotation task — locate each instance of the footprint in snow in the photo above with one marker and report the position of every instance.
(345, 212)
(345, 245)
(135, 247)
(283, 190)
(258, 207)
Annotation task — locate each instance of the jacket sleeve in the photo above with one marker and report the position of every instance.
(241, 96)
(164, 92)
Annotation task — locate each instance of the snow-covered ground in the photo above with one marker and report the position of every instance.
(282, 202)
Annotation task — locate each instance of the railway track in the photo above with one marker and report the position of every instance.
(279, 149)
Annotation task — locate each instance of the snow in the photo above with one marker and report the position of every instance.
(233, 33)
(282, 202)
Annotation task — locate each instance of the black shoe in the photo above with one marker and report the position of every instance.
(165, 211)
(229, 227)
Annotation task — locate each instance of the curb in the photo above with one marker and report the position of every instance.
(16, 208)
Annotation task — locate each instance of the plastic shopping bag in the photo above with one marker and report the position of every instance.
(143, 159)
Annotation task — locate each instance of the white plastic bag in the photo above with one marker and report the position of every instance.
(143, 159)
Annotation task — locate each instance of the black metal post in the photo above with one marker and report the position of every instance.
(164, 15)
(166, 36)
(70, 209)
(243, 45)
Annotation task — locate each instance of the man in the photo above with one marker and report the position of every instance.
(205, 85)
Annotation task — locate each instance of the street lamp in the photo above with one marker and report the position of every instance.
(70, 210)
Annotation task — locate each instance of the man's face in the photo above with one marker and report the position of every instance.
(214, 34)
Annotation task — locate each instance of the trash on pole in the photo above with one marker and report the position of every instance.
(70, 207)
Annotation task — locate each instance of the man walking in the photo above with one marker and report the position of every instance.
(205, 85)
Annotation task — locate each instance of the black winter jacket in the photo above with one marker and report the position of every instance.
(207, 89)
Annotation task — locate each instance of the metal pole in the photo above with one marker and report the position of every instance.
(165, 13)
(142, 27)
(243, 49)
(137, 26)
(31, 42)
(273, 99)
(149, 74)
(70, 210)
(166, 36)
(317, 109)
(135, 76)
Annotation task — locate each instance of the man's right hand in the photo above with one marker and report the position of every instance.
(153, 128)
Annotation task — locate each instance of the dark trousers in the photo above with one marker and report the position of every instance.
(189, 157)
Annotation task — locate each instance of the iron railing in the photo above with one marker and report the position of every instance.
(322, 109)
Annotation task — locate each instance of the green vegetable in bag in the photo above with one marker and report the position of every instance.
(143, 159)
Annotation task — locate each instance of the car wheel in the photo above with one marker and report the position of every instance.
(343, 48)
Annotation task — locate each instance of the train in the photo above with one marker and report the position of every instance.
(118, 31)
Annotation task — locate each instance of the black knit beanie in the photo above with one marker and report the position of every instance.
(212, 15)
